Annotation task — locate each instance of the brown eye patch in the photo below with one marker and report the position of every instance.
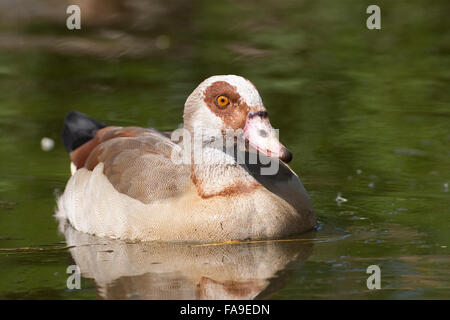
(232, 112)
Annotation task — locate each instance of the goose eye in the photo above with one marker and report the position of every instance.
(222, 101)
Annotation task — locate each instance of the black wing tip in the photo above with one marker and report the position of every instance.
(79, 128)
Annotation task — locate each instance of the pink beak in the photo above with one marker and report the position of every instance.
(261, 136)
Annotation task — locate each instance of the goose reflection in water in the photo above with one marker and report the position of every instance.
(156, 270)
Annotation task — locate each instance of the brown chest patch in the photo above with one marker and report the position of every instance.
(230, 191)
(235, 113)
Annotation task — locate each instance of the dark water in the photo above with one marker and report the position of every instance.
(365, 113)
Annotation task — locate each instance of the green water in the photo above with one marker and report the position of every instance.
(366, 114)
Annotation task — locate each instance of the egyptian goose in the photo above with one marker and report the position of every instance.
(126, 182)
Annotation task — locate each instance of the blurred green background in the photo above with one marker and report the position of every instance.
(366, 114)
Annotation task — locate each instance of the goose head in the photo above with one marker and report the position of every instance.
(229, 103)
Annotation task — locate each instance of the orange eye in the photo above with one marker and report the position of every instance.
(222, 101)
